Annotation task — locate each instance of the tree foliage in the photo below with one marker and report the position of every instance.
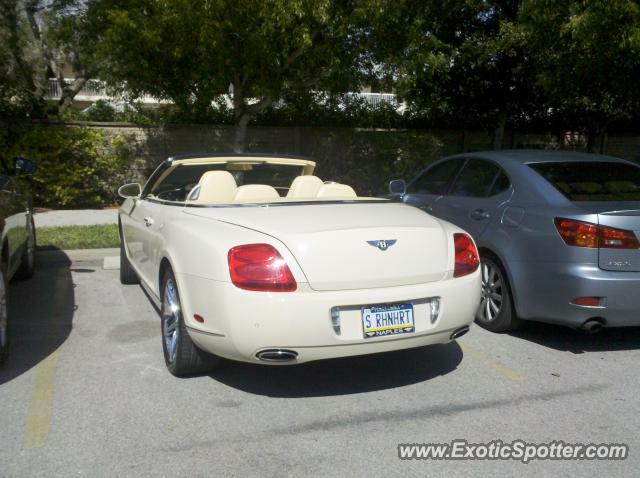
(77, 167)
(587, 56)
(38, 40)
(566, 64)
(193, 51)
(463, 63)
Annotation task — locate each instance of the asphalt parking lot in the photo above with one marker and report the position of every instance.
(86, 393)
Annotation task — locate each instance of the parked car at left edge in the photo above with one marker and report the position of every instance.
(18, 236)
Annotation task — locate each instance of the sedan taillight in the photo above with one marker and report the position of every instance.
(586, 234)
(260, 267)
(467, 258)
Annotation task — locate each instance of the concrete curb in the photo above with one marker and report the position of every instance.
(77, 217)
(75, 255)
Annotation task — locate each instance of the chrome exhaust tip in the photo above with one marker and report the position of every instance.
(593, 326)
(277, 355)
(456, 334)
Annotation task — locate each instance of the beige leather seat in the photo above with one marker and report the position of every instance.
(306, 187)
(214, 186)
(255, 192)
(336, 191)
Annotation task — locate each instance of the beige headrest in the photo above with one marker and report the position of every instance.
(214, 186)
(255, 192)
(305, 187)
(336, 191)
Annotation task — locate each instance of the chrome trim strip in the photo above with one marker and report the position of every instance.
(374, 341)
(155, 300)
(267, 205)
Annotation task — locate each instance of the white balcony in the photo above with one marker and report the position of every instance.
(94, 90)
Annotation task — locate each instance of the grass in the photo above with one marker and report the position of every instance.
(78, 237)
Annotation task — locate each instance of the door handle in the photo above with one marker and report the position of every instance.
(148, 221)
(479, 214)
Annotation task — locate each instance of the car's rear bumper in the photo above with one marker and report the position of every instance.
(544, 292)
(238, 323)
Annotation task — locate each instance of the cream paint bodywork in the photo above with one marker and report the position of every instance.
(324, 245)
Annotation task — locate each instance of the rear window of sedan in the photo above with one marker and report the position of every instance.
(592, 180)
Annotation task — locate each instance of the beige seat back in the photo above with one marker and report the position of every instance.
(214, 186)
(336, 191)
(255, 192)
(305, 187)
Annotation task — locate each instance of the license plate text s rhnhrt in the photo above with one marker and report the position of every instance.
(387, 319)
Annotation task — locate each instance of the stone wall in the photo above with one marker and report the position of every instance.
(366, 158)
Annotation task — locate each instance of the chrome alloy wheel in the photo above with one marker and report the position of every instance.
(492, 293)
(4, 336)
(171, 319)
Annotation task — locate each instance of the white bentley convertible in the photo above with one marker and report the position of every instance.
(253, 258)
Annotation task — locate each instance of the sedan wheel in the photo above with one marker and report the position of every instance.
(495, 311)
(492, 299)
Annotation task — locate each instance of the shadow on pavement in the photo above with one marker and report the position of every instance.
(364, 373)
(40, 314)
(578, 341)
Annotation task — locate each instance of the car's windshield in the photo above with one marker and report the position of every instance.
(591, 180)
(182, 178)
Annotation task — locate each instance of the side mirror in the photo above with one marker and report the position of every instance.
(131, 190)
(397, 186)
(23, 166)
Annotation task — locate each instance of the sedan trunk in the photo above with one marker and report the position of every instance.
(618, 215)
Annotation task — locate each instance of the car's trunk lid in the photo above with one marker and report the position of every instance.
(619, 215)
(351, 245)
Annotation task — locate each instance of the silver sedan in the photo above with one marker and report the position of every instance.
(557, 232)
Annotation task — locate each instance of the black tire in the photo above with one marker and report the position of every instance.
(496, 292)
(28, 260)
(181, 355)
(127, 273)
(5, 335)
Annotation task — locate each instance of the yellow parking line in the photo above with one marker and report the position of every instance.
(38, 422)
(38, 425)
(497, 366)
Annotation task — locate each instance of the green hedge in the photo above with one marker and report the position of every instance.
(82, 167)
(368, 159)
(77, 166)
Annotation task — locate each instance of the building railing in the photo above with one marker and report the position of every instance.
(94, 90)
(91, 91)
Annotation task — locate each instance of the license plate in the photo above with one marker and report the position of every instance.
(387, 319)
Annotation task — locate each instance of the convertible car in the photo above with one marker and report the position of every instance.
(253, 258)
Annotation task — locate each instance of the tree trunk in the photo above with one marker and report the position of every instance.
(240, 139)
(241, 118)
(243, 114)
(498, 134)
(591, 140)
(69, 92)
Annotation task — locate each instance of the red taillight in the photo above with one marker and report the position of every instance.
(467, 258)
(617, 238)
(260, 267)
(585, 234)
